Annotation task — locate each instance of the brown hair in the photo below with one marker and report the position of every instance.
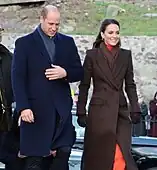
(103, 27)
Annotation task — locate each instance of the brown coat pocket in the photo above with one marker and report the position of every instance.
(96, 101)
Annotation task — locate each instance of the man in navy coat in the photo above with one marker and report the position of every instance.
(44, 63)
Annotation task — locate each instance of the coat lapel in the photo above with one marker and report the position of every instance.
(41, 45)
(105, 70)
(58, 47)
(118, 64)
(42, 48)
(110, 73)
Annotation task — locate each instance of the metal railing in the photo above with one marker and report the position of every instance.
(146, 127)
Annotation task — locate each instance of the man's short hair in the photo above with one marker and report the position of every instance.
(47, 9)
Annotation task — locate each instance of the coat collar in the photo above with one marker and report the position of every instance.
(110, 55)
(106, 72)
(41, 46)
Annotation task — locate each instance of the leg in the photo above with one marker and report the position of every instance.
(47, 161)
(61, 159)
(33, 163)
(16, 164)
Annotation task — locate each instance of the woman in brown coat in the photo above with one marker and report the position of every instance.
(107, 143)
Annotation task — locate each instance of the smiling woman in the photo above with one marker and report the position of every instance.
(108, 125)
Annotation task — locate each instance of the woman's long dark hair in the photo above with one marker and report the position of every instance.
(103, 26)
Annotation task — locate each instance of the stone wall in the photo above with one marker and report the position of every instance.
(11, 2)
(144, 52)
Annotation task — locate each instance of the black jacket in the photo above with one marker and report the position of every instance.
(5, 66)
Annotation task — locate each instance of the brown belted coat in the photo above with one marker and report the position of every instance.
(108, 115)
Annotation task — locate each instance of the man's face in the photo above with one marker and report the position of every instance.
(50, 24)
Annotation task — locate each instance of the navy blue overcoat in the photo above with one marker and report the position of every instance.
(32, 90)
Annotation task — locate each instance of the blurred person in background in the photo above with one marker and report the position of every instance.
(140, 128)
(153, 116)
(8, 148)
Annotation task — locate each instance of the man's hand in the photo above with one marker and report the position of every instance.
(27, 116)
(53, 153)
(56, 72)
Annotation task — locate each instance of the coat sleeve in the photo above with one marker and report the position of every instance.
(130, 86)
(84, 86)
(75, 69)
(19, 76)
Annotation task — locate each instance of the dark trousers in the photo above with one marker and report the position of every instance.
(59, 162)
(33, 163)
(16, 164)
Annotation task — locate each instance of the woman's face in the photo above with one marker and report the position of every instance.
(111, 35)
